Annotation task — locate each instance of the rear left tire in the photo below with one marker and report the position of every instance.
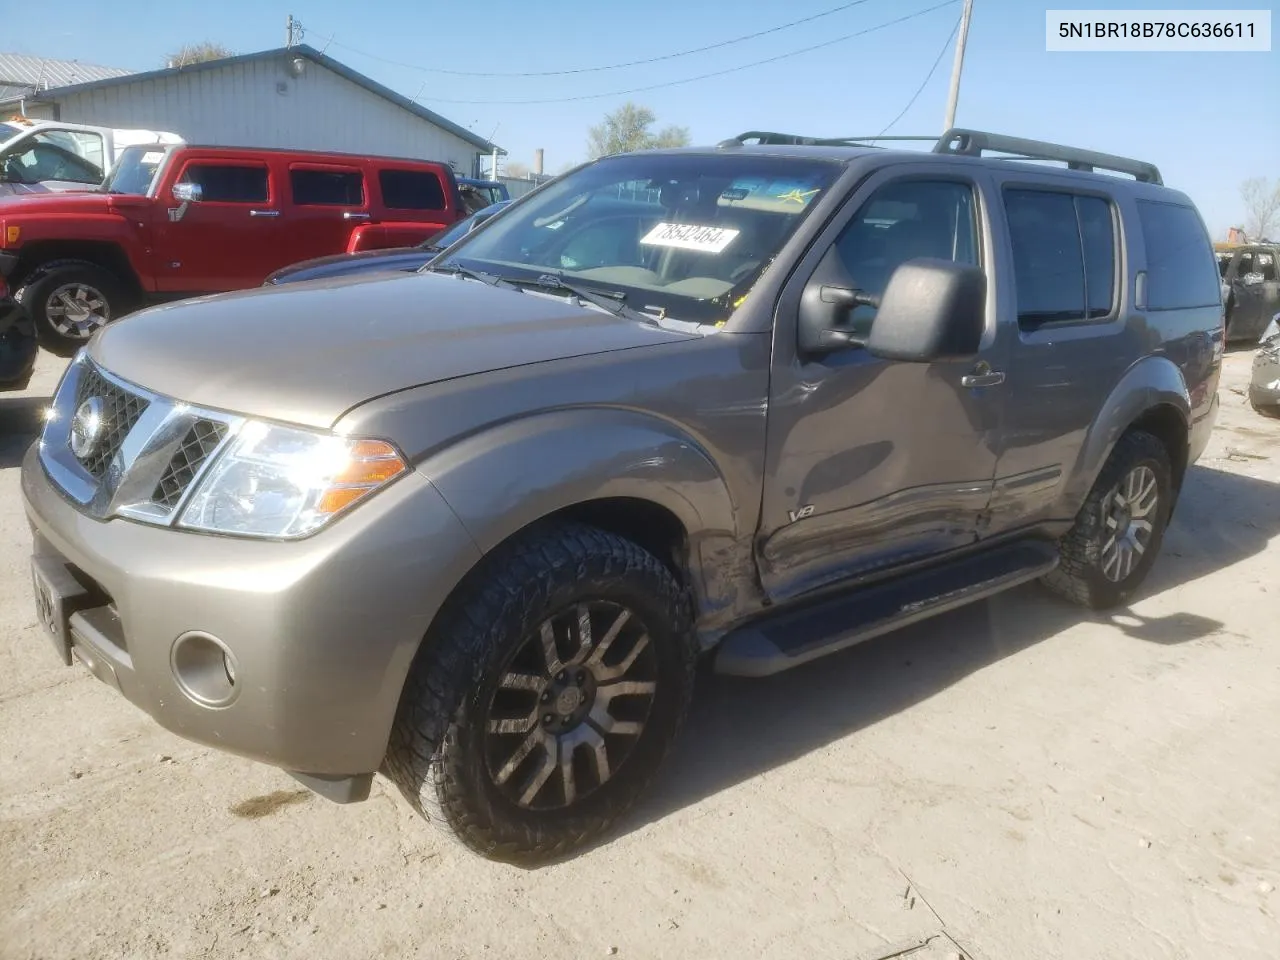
(1117, 534)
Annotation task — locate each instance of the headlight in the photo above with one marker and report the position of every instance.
(283, 482)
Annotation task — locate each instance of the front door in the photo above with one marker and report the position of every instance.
(229, 238)
(874, 463)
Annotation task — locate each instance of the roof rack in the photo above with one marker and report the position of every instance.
(973, 143)
(791, 139)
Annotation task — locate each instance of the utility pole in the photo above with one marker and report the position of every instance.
(954, 97)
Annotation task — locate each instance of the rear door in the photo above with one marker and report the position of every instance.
(230, 238)
(327, 202)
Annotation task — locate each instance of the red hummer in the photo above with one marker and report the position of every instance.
(175, 221)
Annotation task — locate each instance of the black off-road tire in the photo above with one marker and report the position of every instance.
(44, 280)
(436, 755)
(1079, 576)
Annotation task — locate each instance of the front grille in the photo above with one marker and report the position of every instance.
(120, 411)
(200, 441)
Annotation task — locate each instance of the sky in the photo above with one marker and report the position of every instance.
(1208, 120)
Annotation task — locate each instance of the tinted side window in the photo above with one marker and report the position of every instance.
(1180, 271)
(902, 221)
(411, 190)
(1048, 266)
(221, 183)
(327, 187)
(1098, 235)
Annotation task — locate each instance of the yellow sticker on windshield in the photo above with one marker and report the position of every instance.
(799, 196)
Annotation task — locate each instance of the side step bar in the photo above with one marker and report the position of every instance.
(797, 635)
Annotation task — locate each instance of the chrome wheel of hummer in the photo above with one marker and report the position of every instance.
(76, 310)
(1129, 508)
(570, 706)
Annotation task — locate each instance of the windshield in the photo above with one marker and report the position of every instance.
(677, 234)
(136, 169)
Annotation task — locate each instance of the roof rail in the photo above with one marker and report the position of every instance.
(791, 139)
(972, 143)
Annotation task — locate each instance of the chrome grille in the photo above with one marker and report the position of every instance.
(200, 441)
(121, 410)
(150, 449)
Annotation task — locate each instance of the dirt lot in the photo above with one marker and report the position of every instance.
(1017, 780)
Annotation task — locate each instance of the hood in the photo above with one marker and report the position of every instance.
(308, 352)
(338, 264)
(64, 201)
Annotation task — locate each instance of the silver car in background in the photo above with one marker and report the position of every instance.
(1264, 387)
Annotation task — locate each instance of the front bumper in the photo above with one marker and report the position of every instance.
(322, 630)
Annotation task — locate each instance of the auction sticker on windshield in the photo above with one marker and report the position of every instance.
(690, 236)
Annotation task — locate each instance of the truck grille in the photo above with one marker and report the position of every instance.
(120, 411)
(197, 446)
(149, 449)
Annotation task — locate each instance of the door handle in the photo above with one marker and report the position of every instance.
(982, 376)
(351, 215)
(264, 213)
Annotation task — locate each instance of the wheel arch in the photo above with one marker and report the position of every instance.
(627, 472)
(43, 255)
(1151, 396)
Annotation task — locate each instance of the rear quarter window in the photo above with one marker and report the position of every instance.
(1181, 267)
(411, 190)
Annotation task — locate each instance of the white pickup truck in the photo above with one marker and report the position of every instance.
(40, 156)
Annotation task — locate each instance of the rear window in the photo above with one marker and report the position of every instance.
(224, 183)
(327, 187)
(411, 190)
(1180, 261)
(1064, 256)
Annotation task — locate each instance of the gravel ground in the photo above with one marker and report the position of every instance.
(1016, 780)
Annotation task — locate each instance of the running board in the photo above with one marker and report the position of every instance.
(798, 635)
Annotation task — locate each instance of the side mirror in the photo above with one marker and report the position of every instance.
(931, 310)
(188, 192)
(479, 217)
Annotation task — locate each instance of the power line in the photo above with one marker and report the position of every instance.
(706, 76)
(929, 76)
(612, 66)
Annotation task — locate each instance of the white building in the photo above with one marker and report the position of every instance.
(292, 97)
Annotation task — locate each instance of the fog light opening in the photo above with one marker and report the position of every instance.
(205, 670)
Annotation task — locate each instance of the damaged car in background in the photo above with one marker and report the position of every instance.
(1264, 387)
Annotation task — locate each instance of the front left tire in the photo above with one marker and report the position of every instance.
(547, 695)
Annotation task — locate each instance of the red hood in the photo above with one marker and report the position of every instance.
(29, 204)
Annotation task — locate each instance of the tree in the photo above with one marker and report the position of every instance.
(1261, 205)
(627, 129)
(518, 170)
(201, 52)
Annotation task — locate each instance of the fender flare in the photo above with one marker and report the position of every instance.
(502, 479)
(1151, 383)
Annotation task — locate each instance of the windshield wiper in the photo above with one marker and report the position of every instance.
(610, 300)
(456, 270)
